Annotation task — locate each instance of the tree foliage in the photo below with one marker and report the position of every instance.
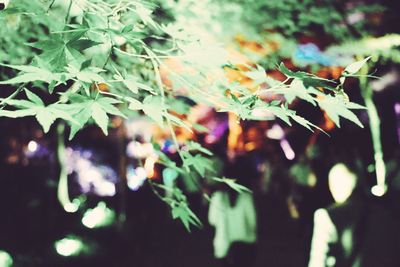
(88, 61)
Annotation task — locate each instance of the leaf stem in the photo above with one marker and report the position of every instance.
(68, 12)
(164, 109)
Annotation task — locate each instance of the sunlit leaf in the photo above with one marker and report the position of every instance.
(45, 118)
(356, 66)
(34, 98)
(100, 117)
(152, 107)
(232, 184)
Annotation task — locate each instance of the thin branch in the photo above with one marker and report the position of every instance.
(162, 92)
(50, 6)
(68, 12)
(14, 94)
(143, 56)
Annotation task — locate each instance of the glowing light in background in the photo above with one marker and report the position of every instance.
(378, 190)
(149, 166)
(341, 182)
(5, 259)
(136, 177)
(287, 149)
(138, 150)
(397, 108)
(73, 206)
(70, 246)
(139, 128)
(169, 147)
(32, 146)
(397, 111)
(310, 54)
(100, 216)
(276, 132)
(92, 178)
(385, 81)
(36, 150)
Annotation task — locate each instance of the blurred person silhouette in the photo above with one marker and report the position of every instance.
(356, 231)
(233, 216)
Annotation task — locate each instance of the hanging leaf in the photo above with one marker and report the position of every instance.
(336, 109)
(82, 117)
(34, 98)
(232, 184)
(134, 104)
(198, 162)
(31, 74)
(182, 212)
(194, 146)
(130, 83)
(308, 79)
(296, 90)
(356, 66)
(100, 117)
(45, 118)
(152, 107)
(258, 75)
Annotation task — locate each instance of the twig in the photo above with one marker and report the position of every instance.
(14, 94)
(162, 92)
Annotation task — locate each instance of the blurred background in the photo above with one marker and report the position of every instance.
(116, 217)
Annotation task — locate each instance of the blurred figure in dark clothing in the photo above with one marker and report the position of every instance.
(356, 231)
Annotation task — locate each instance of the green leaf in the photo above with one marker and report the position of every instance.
(23, 78)
(53, 51)
(86, 64)
(145, 87)
(281, 113)
(127, 28)
(152, 107)
(51, 44)
(34, 98)
(134, 104)
(356, 66)
(177, 121)
(106, 105)
(194, 146)
(296, 90)
(17, 113)
(82, 117)
(199, 163)
(100, 117)
(302, 121)
(24, 68)
(352, 105)
(200, 128)
(66, 112)
(11, 11)
(182, 212)
(145, 15)
(309, 80)
(258, 75)
(130, 83)
(45, 118)
(88, 75)
(21, 104)
(31, 74)
(336, 109)
(232, 184)
(81, 44)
